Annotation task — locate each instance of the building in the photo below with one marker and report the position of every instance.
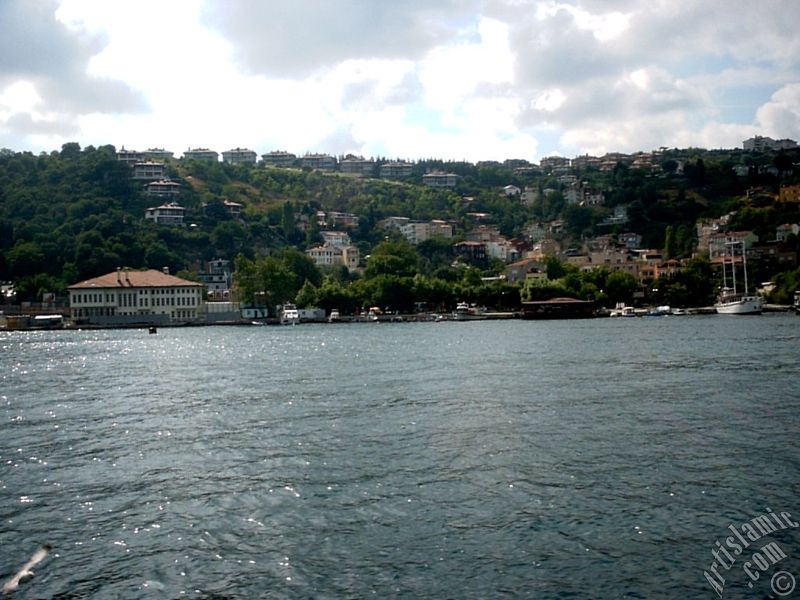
(135, 298)
(357, 165)
(417, 232)
(335, 238)
(319, 162)
(218, 279)
(782, 232)
(171, 213)
(130, 157)
(724, 243)
(234, 208)
(335, 218)
(163, 188)
(157, 154)
(201, 154)
(630, 240)
(393, 222)
(526, 268)
(149, 171)
(548, 163)
(440, 179)
(471, 252)
(240, 156)
(789, 193)
(396, 170)
(761, 144)
(327, 255)
(279, 158)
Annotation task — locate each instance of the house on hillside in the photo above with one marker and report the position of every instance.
(357, 165)
(327, 255)
(201, 154)
(318, 162)
(171, 214)
(396, 170)
(163, 188)
(526, 268)
(279, 158)
(239, 156)
(149, 171)
(440, 179)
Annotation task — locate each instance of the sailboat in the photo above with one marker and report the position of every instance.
(730, 301)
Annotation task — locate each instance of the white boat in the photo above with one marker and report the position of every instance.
(334, 316)
(730, 301)
(465, 312)
(290, 315)
(621, 310)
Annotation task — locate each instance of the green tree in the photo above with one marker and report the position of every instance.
(392, 258)
(620, 287)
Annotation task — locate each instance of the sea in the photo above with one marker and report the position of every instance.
(602, 458)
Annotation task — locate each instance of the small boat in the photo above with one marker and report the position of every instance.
(796, 303)
(334, 317)
(152, 329)
(290, 315)
(465, 312)
(730, 301)
(621, 310)
(678, 312)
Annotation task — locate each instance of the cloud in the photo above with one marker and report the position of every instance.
(459, 79)
(295, 39)
(780, 117)
(37, 49)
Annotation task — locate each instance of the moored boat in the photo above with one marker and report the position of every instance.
(290, 315)
(730, 301)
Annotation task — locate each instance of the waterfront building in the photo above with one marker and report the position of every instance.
(218, 279)
(132, 298)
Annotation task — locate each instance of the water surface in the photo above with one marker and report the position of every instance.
(599, 458)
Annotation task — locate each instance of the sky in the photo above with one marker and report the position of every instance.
(453, 79)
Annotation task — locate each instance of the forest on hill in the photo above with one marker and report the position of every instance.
(72, 214)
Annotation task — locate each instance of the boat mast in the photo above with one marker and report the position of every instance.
(744, 266)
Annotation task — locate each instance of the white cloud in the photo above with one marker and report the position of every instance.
(780, 117)
(450, 78)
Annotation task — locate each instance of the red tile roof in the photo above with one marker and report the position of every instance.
(134, 279)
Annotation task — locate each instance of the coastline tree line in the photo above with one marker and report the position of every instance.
(76, 213)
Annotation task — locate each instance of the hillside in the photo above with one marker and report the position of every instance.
(77, 213)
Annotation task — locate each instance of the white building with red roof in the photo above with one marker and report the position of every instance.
(125, 297)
